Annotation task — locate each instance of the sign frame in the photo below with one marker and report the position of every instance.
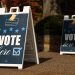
(34, 52)
(66, 18)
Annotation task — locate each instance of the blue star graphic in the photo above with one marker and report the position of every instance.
(23, 28)
(16, 30)
(0, 28)
(11, 29)
(4, 31)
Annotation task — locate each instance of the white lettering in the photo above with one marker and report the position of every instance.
(13, 39)
(10, 40)
(1, 40)
(7, 40)
(5, 52)
(18, 40)
(69, 37)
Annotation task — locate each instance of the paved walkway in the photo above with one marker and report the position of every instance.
(51, 63)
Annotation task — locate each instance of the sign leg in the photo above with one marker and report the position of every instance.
(20, 67)
(61, 53)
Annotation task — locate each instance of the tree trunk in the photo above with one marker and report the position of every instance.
(49, 8)
(46, 7)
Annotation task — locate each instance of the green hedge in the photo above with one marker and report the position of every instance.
(51, 25)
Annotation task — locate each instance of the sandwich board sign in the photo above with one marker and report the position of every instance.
(68, 36)
(17, 38)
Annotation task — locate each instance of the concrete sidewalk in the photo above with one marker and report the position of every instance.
(51, 63)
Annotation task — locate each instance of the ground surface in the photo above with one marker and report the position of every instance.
(51, 63)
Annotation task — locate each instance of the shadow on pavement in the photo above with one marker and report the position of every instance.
(44, 59)
(29, 64)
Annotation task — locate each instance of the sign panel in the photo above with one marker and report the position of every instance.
(68, 37)
(12, 38)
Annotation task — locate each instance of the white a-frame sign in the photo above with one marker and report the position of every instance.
(17, 38)
(68, 36)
